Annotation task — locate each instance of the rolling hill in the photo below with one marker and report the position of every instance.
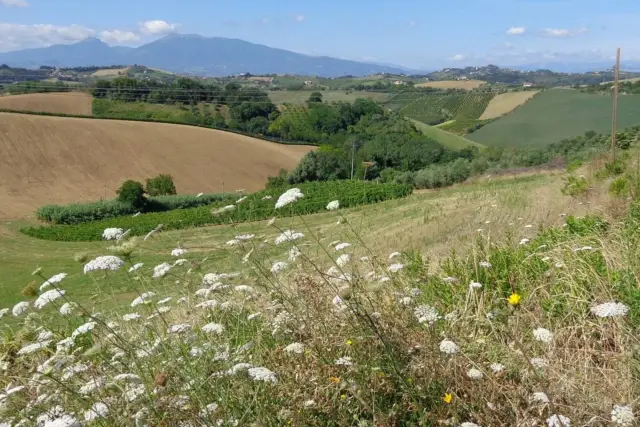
(446, 139)
(74, 103)
(184, 53)
(61, 160)
(557, 114)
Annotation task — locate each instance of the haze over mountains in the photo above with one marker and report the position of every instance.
(208, 56)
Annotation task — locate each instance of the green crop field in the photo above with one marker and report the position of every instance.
(446, 139)
(433, 109)
(301, 96)
(401, 100)
(557, 114)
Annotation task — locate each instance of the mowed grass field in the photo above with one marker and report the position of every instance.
(446, 139)
(453, 84)
(61, 160)
(432, 222)
(556, 114)
(61, 103)
(301, 96)
(505, 103)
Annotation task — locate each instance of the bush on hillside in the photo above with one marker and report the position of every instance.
(132, 193)
(161, 185)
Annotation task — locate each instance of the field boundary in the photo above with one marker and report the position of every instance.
(172, 122)
(519, 106)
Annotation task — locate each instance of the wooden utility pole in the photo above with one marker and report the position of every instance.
(353, 157)
(614, 122)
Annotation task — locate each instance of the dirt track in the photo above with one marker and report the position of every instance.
(63, 102)
(47, 160)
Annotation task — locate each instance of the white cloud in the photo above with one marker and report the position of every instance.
(563, 32)
(19, 36)
(119, 37)
(516, 31)
(16, 3)
(457, 57)
(157, 26)
(300, 18)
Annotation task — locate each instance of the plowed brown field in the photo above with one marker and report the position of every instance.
(47, 160)
(61, 103)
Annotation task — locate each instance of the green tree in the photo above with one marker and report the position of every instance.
(132, 193)
(315, 97)
(161, 185)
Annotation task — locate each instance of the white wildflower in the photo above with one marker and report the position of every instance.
(295, 347)
(528, 226)
(245, 237)
(241, 199)
(610, 309)
(558, 421)
(3, 312)
(208, 304)
(475, 285)
(132, 392)
(52, 280)
(288, 236)
(539, 362)
(343, 260)
(215, 328)
(540, 397)
(341, 246)
(233, 242)
(65, 344)
(179, 328)
(394, 268)
(394, 255)
(178, 252)
(344, 361)
(161, 270)
(524, 241)
(131, 316)
(92, 385)
(65, 420)
(426, 314)
(164, 300)
(44, 336)
(263, 374)
(288, 197)
(32, 348)
(127, 378)
(70, 371)
(469, 424)
(475, 374)
(112, 233)
(622, 415)
(144, 298)
(98, 410)
(496, 368)
(20, 308)
(449, 347)
(239, 367)
(294, 253)
(450, 279)
(333, 205)
(83, 329)
(253, 316)
(278, 267)
(106, 262)
(543, 335)
(68, 308)
(135, 267)
(47, 297)
(485, 264)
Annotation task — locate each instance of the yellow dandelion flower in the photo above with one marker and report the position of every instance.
(343, 396)
(514, 299)
(335, 380)
(447, 398)
(410, 380)
(349, 342)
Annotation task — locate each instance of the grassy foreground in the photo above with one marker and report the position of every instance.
(350, 324)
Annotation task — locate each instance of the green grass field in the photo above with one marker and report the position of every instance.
(433, 109)
(447, 139)
(301, 96)
(557, 114)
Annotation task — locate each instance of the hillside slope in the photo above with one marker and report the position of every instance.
(61, 160)
(557, 114)
(56, 103)
(446, 139)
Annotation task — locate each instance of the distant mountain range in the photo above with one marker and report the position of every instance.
(206, 56)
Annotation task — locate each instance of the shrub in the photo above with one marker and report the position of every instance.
(161, 185)
(619, 187)
(258, 206)
(574, 186)
(132, 193)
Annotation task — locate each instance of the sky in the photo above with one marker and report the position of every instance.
(419, 34)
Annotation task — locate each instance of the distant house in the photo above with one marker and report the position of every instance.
(308, 83)
(527, 84)
(399, 82)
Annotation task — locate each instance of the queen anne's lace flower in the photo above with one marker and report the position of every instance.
(394, 268)
(539, 362)
(47, 297)
(144, 298)
(485, 264)
(496, 368)
(288, 236)
(68, 308)
(3, 312)
(278, 267)
(449, 347)
(98, 410)
(178, 252)
(135, 267)
(161, 270)
(32, 348)
(475, 374)
(106, 262)
(540, 397)
(610, 309)
(543, 335)
(53, 280)
(475, 285)
(343, 260)
(83, 329)
(333, 206)
(20, 308)
(558, 421)
(469, 424)
(263, 374)
(622, 415)
(288, 197)
(179, 328)
(112, 233)
(215, 328)
(341, 246)
(344, 361)
(426, 314)
(295, 347)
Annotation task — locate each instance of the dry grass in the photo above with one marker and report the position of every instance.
(261, 79)
(110, 72)
(454, 84)
(506, 103)
(60, 103)
(61, 160)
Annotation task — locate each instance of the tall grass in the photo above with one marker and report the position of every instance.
(312, 333)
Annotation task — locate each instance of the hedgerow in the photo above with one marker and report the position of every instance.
(258, 206)
(78, 213)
